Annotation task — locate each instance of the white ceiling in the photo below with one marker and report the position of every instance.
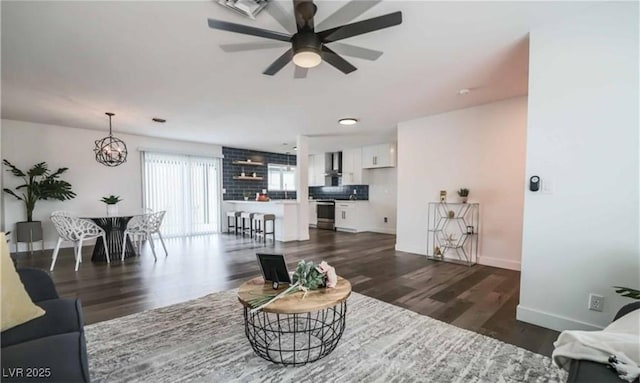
(66, 63)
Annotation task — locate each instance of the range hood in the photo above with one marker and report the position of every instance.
(333, 164)
(333, 169)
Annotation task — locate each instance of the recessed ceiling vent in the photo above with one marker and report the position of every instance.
(249, 8)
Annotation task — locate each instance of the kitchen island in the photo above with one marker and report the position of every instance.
(286, 212)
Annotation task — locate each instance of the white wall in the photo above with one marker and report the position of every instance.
(582, 140)
(481, 148)
(382, 199)
(25, 144)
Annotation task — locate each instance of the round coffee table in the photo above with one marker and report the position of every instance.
(291, 330)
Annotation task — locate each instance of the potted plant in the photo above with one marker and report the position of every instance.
(246, 195)
(112, 204)
(463, 194)
(38, 184)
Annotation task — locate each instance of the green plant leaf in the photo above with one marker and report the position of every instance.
(54, 189)
(627, 292)
(38, 169)
(58, 172)
(14, 170)
(9, 191)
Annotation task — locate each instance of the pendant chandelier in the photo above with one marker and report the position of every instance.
(110, 151)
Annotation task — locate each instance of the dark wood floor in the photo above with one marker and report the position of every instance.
(479, 298)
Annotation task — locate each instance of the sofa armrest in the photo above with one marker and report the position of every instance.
(38, 284)
(626, 309)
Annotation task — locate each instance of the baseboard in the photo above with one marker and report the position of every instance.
(411, 249)
(501, 263)
(381, 230)
(552, 321)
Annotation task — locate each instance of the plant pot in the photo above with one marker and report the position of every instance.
(464, 199)
(246, 198)
(112, 210)
(29, 231)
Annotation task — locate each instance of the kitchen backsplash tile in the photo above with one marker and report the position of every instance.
(234, 189)
(342, 192)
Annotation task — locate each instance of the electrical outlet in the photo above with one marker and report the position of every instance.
(355, 191)
(224, 191)
(596, 302)
(386, 220)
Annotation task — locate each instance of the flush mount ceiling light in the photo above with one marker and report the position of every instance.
(464, 91)
(159, 120)
(110, 151)
(348, 121)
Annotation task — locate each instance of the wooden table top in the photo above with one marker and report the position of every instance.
(315, 300)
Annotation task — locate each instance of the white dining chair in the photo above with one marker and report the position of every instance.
(143, 227)
(76, 230)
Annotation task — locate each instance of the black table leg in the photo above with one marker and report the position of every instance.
(114, 228)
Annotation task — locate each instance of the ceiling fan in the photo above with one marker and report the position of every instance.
(308, 47)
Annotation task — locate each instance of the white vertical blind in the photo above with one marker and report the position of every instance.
(187, 187)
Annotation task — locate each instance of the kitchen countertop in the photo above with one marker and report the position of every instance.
(338, 200)
(273, 201)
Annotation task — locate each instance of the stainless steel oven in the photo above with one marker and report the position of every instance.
(326, 214)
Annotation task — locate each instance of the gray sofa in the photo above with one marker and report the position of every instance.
(583, 371)
(50, 348)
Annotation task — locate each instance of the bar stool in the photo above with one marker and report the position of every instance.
(260, 224)
(235, 215)
(244, 216)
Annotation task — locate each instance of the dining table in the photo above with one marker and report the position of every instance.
(114, 228)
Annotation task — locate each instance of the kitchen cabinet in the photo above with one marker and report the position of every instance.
(352, 166)
(313, 214)
(345, 216)
(352, 216)
(379, 156)
(316, 170)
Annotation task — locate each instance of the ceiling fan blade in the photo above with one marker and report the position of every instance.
(247, 30)
(279, 63)
(354, 51)
(334, 59)
(252, 46)
(304, 10)
(361, 27)
(348, 12)
(283, 17)
(300, 72)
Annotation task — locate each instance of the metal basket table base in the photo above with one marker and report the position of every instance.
(295, 339)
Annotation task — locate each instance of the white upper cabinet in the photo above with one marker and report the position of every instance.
(316, 170)
(379, 156)
(352, 166)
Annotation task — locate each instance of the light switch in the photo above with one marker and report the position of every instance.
(547, 185)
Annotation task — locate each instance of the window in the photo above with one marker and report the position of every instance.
(187, 187)
(281, 177)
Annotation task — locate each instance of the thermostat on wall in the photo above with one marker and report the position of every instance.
(534, 183)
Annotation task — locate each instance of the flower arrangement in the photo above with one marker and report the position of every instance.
(308, 276)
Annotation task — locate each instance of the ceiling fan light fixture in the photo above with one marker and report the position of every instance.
(307, 59)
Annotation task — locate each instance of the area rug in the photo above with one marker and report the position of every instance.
(203, 341)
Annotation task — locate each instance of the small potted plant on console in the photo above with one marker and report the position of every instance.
(463, 194)
(112, 204)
